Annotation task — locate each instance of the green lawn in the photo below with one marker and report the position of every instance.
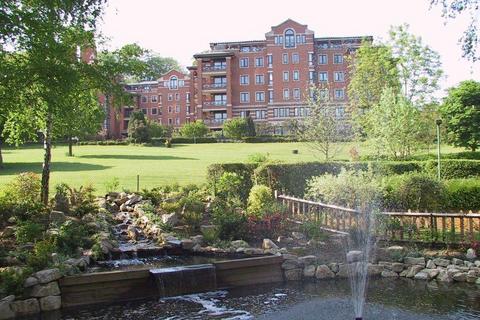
(156, 165)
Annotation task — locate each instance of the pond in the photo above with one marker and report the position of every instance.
(388, 299)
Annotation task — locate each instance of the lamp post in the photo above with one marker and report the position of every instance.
(438, 122)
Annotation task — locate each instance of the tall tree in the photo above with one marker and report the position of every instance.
(47, 34)
(158, 65)
(469, 41)
(196, 129)
(419, 66)
(461, 112)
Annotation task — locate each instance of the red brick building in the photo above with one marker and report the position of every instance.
(263, 79)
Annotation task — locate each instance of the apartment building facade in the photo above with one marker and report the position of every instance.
(267, 80)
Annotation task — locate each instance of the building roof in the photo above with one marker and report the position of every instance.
(213, 54)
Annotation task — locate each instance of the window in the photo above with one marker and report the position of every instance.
(125, 124)
(285, 58)
(260, 96)
(154, 111)
(188, 110)
(285, 76)
(244, 79)
(289, 38)
(259, 79)
(177, 109)
(311, 75)
(310, 58)
(270, 78)
(323, 76)
(243, 114)
(170, 121)
(260, 114)
(145, 111)
(338, 76)
(144, 99)
(244, 97)
(177, 96)
(340, 112)
(300, 112)
(295, 58)
(169, 109)
(154, 98)
(286, 94)
(127, 112)
(339, 94)
(177, 120)
(259, 62)
(270, 96)
(296, 75)
(322, 59)
(324, 94)
(160, 98)
(173, 84)
(296, 94)
(219, 65)
(181, 83)
(278, 39)
(220, 99)
(170, 97)
(338, 59)
(244, 63)
(187, 97)
(281, 112)
(270, 60)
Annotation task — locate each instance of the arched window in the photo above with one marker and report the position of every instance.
(289, 38)
(173, 83)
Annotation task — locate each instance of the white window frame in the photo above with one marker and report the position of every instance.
(320, 60)
(246, 76)
(297, 78)
(338, 73)
(262, 94)
(262, 76)
(286, 94)
(244, 65)
(247, 94)
(286, 76)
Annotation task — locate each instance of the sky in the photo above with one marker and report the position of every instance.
(182, 28)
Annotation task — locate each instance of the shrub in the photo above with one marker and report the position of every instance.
(242, 170)
(82, 201)
(258, 158)
(28, 231)
(230, 221)
(462, 194)
(229, 186)
(454, 169)
(138, 131)
(312, 230)
(71, 236)
(41, 257)
(413, 191)
(24, 188)
(194, 130)
(259, 200)
(236, 128)
(269, 226)
(11, 280)
(112, 185)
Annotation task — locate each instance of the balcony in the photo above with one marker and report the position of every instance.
(215, 69)
(214, 123)
(215, 87)
(215, 105)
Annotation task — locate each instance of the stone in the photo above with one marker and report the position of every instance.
(413, 270)
(25, 307)
(477, 263)
(197, 248)
(30, 282)
(187, 244)
(307, 260)
(468, 264)
(354, 256)
(288, 256)
(171, 219)
(198, 239)
(8, 232)
(324, 272)
(133, 199)
(309, 271)
(389, 274)
(50, 303)
(293, 274)
(343, 270)
(457, 262)
(397, 267)
(290, 264)
(285, 240)
(239, 244)
(404, 273)
(460, 277)
(443, 276)
(333, 266)
(268, 244)
(208, 228)
(48, 275)
(471, 255)
(298, 235)
(430, 274)
(477, 282)
(6, 311)
(431, 264)
(471, 276)
(50, 289)
(422, 276)
(57, 217)
(441, 262)
(415, 261)
(374, 269)
(132, 232)
(253, 251)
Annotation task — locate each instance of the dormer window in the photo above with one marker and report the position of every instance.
(289, 38)
(173, 84)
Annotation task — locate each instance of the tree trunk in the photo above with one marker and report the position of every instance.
(70, 146)
(1, 156)
(47, 146)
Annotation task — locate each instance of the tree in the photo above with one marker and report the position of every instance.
(250, 127)
(320, 128)
(196, 129)
(372, 69)
(235, 128)
(461, 112)
(137, 128)
(419, 66)
(453, 8)
(155, 129)
(393, 125)
(158, 66)
(45, 36)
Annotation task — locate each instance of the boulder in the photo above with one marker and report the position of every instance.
(354, 256)
(298, 235)
(397, 267)
(426, 274)
(457, 262)
(57, 217)
(290, 264)
(460, 277)
(49, 275)
(441, 262)
(443, 276)
(374, 269)
(285, 240)
(187, 244)
(472, 276)
(421, 276)
(50, 303)
(132, 232)
(8, 232)
(268, 244)
(395, 251)
(415, 261)
(309, 271)
(307, 260)
(333, 266)
(477, 263)
(324, 272)
(30, 282)
(25, 307)
(431, 264)
(171, 219)
(389, 274)
(343, 270)
(133, 199)
(198, 239)
(239, 244)
(294, 274)
(413, 270)
(50, 289)
(6, 311)
(471, 255)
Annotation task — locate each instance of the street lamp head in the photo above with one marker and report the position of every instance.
(438, 122)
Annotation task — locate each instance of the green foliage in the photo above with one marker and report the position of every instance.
(243, 171)
(462, 194)
(260, 200)
(417, 192)
(28, 231)
(271, 138)
(196, 129)
(155, 129)
(112, 185)
(258, 158)
(158, 66)
(11, 280)
(75, 201)
(461, 112)
(454, 169)
(236, 128)
(230, 221)
(25, 188)
(250, 128)
(182, 140)
(138, 131)
(41, 257)
(71, 236)
(312, 229)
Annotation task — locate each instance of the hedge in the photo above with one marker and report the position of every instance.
(243, 170)
(179, 140)
(462, 194)
(103, 143)
(454, 169)
(265, 139)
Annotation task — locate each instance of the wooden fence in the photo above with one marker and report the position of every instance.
(411, 226)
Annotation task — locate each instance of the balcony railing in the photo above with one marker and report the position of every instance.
(214, 86)
(214, 68)
(214, 122)
(219, 103)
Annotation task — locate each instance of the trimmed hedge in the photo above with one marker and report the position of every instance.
(104, 143)
(179, 140)
(265, 139)
(454, 169)
(462, 194)
(243, 170)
